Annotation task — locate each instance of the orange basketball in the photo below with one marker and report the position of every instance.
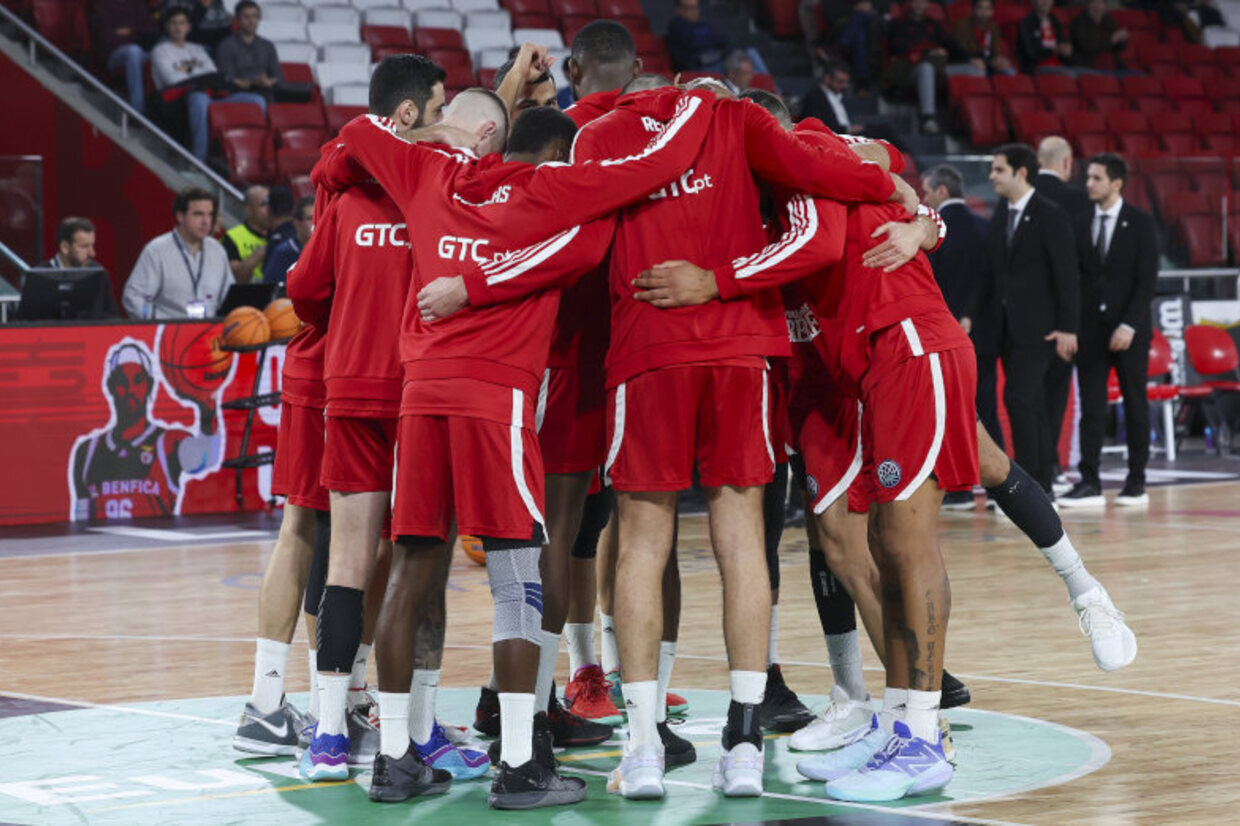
(246, 326)
(472, 546)
(193, 364)
(281, 319)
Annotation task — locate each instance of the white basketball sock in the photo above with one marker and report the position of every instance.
(1068, 564)
(667, 659)
(748, 687)
(270, 661)
(516, 720)
(548, 651)
(895, 704)
(922, 715)
(642, 701)
(314, 684)
(580, 639)
(393, 723)
(611, 652)
(844, 654)
(772, 648)
(422, 704)
(333, 703)
(357, 679)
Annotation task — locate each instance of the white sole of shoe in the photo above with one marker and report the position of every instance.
(249, 746)
(829, 742)
(644, 784)
(1132, 501)
(1130, 646)
(1098, 501)
(739, 784)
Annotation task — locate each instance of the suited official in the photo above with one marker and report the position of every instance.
(1029, 306)
(1118, 250)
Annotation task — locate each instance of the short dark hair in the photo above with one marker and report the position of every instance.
(190, 194)
(604, 41)
(948, 176)
(735, 59)
(69, 227)
(835, 66)
(170, 12)
(1116, 167)
(280, 200)
(1020, 156)
(536, 129)
(507, 67)
(246, 4)
(402, 77)
(772, 103)
(302, 205)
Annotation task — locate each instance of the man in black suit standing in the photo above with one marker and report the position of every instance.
(1052, 180)
(1118, 249)
(1033, 296)
(826, 101)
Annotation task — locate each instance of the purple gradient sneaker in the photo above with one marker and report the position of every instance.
(462, 762)
(326, 759)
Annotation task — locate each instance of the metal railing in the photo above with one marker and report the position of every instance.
(128, 115)
(8, 295)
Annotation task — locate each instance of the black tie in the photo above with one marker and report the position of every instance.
(1100, 243)
(1013, 217)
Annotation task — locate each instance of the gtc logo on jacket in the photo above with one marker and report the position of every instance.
(687, 185)
(453, 248)
(381, 235)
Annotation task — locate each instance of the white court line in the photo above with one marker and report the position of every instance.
(113, 707)
(176, 536)
(915, 812)
(197, 546)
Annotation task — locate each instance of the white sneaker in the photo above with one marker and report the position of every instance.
(739, 771)
(639, 775)
(842, 722)
(1114, 644)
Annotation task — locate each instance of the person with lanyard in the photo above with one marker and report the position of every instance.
(183, 273)
(286, 253)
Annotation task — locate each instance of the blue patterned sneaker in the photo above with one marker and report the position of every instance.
(463, 763)
(908, 767)
(836, 764)
(326, 759)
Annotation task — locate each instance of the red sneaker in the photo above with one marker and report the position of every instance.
(587, 696)
(676, 704)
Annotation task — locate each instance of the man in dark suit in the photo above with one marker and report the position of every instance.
(1052, 180)
(826, 101)
(959, 277)
(1118, 249)
(1033, 299)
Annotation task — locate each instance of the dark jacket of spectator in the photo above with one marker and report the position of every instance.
(1034, 44)
(972, 42)
(955, 262)
(1070, 199)
(1091, 39)
(818, 105)
(694, 45)
(116, 23)
(212, 23)
(912, 40)
(247, 61)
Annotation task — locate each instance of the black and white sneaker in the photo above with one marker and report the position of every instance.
(395, 780)
(954, 694)
(958, 500)
(532, 785)
(1084, 495)
(486, 714)
(276, 733)
(781, 709)
(677, 751)
(568, 729)
(363, 735)
(1133, 495)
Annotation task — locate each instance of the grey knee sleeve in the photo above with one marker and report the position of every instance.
(516, 589)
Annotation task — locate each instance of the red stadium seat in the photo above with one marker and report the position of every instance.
(1180, 143)
(647, 42)
(1084, 123)
(1186, 202)
(387, 37)
(1065, 104)
(984, 120)
(1108, 103)
(285, 116)
(424, 39)
(1132, 20)
(1228, 56)
(302, 73)
(1089, 145)
(1008, 86)
(1049, 85)
(534, 20)
(1184, 88)
(1212, 352)
(967, 86)
(486, 78)
(1129, 122)
(301, 186)
(1203, 236)
(292, 162)
(762, 80)
(1032, 127)
(569, 26)
(1194, 54)
(1222, 144)
(1136, 86)
(620, 8)
(1153, 107)
(574, 8)
(516, 7)
(301, 139)
(221, 116)
(784, 16)
(451, 59)
(338, 116)
(1150, 53)
(1211, 123)
(1015, 107)
(1094, 85)
(1207, 74)
(64, 23)
(635, 24)
(658, 63)
(1163, 71)
(1188, 109)
(1139, 144)
(459, 77)
(1163, 185)
(249, 154)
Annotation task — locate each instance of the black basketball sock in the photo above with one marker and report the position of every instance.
(1027, 505)
(743, 725)
(774, 498)
(339, 628)
(836, 609)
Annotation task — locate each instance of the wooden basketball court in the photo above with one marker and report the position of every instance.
(150, 623)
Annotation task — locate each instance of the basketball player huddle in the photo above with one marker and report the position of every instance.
(600, 306)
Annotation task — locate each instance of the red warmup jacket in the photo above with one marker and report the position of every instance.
(709, 214)
(301, 380)
(583, 323)
(503, 222)
(849, 302)
(357, 301)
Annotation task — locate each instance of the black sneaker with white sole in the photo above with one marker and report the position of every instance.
(1084, 495)
(1133, 495)
(394, 780)
(567, 729)
(544, 746)
(677, 751)
(781, 710)
(276, 733)
(532, 786)
(955, 693)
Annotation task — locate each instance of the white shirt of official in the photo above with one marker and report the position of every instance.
(837, 104)
(951, 202)
(1019, 207)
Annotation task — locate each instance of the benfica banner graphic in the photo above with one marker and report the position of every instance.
(122, 421)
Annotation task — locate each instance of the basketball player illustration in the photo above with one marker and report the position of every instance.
(137, 466)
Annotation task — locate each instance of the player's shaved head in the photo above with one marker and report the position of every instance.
(772, 103)
(1052, 150)
(540, 135)
(645, 82)
(603, 58)
(483, 113)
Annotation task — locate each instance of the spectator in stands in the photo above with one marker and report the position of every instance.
(246, 243)
(826, 103)
(211, 20)
(694, 45)
(1097, 40)
(285, 254)
(246, 60)
(122, 33)
(183, 273)
(854, 30)
(917, 46)
(737, 71)
(1040, 41)
(178, 63)
(282, 221)
(75, 244)
(977, 41)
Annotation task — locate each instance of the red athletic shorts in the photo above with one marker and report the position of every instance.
(920, 415)
(826, 430)
(660, 422)
(358, 454)
(781, 429)
(299, 456)
(484, 472)
(571, 419)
